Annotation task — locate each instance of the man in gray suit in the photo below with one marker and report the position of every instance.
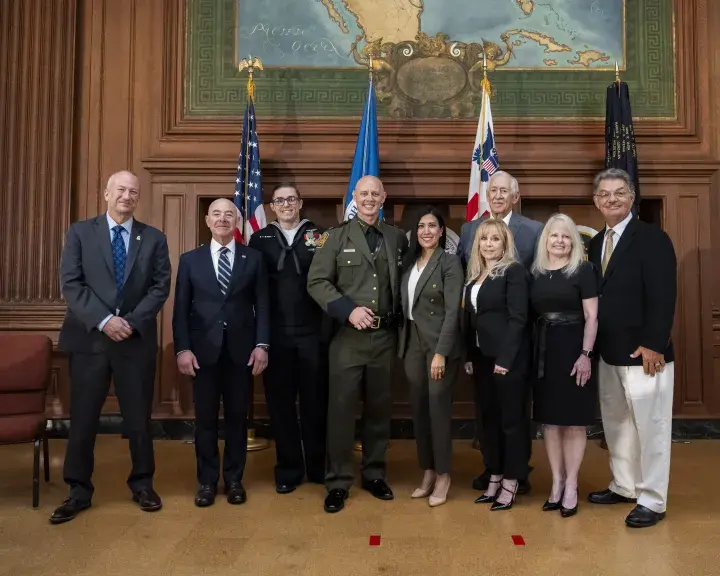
(115, 278)
(503, 193)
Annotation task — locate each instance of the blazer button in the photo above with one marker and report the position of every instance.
(374, 287)
(373, 301)
(348, 261)
(432, 299)
(431, 312)
(374, 275)
(434, 285)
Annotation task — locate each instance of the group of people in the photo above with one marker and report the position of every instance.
(323, 315)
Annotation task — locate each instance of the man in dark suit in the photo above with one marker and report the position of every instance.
(221, 329)
(636, 366)
(503, 193)
(115, 278)
(298, 362)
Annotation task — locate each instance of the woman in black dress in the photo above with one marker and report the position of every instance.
(564, 298)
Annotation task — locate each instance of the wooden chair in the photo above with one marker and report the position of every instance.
(25, 367)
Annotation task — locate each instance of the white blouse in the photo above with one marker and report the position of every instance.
(412, 284)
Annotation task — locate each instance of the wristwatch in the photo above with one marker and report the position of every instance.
(263, 347)
(588, 353)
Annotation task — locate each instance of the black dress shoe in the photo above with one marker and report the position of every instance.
(335, 500)
(148, 500)
(236, 493)
(285, 488)
(567, 512)
(205, 496)
(68, 510)
(379, 489)
(481, 482)
(609, 497)
(642, 517)
(524, 486)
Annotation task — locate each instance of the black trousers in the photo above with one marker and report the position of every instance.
(133, 373)
(298, 368)
(356, 357)
(505, 417)
(231, 382)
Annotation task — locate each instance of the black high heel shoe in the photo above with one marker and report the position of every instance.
(553, 506)
(567, 512)
(485, 499)
(498, 505)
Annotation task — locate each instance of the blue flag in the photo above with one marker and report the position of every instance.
(366, 161)
(620, 149)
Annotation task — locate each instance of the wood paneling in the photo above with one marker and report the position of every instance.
(37, 63)
(129, 113)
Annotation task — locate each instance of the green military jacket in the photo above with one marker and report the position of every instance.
(342, 275)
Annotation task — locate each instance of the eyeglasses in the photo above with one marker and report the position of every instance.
(290, 201)
(620, 195)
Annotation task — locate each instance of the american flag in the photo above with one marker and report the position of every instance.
(248, 170)
(485, 161)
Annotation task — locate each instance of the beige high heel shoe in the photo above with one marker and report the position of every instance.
(424, 492)
(439, 500)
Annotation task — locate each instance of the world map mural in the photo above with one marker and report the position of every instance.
(522, 34)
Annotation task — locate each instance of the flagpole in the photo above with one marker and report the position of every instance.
(253, 443)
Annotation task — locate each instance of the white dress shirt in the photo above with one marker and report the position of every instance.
(215, 248)
(412, 284)
(617, 230)
(290, 234)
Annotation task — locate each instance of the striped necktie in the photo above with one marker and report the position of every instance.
(608, 249)
(224, 270)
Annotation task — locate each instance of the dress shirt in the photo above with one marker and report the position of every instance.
(215, 248)
(126, 238)
(412, 284)
(618, 230)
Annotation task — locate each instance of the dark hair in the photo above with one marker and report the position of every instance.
(286, 184)
(414, 248)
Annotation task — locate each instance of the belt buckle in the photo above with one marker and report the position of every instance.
(375, 323)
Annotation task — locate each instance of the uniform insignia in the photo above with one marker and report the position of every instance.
(312, 237)
(320, 242)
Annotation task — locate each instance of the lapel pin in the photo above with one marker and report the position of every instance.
(137, 238)
(243, 255)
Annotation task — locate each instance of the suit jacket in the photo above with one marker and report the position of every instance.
(501, 320)
(87, 282)
(341, 276)
(436, 305)
(636, 305)
(202, 314)
(526, 234)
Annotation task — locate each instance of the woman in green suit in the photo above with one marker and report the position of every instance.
(432, 285)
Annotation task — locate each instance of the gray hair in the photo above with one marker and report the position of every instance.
(614, 174)
(577, 251)
(514, 186)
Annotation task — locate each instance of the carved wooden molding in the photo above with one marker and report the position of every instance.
(37, 62)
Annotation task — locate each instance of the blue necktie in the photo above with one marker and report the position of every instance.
(224, 270)
(119, 259)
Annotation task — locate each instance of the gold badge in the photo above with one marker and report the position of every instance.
(320, 242)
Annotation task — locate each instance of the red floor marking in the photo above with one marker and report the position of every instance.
(518, 540)
(374, 540)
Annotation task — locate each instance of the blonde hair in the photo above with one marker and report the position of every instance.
(577, 250)
(477, 265)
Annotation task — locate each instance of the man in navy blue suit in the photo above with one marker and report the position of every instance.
(221, 328)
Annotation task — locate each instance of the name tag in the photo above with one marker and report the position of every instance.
(349, 250)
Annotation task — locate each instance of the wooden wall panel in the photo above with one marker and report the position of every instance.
(127, 112)
(37, 61)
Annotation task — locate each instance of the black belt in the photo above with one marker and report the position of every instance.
(541, 325)
(381, 322)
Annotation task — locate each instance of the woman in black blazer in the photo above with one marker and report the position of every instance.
(432, 286)
(497, 340)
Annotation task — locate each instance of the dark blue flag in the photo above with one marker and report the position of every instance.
(620, 150)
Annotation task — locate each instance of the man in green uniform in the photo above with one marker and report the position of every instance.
(355, 277)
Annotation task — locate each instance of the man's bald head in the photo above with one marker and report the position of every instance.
(122, 194)
(369, 196)
(222, 220)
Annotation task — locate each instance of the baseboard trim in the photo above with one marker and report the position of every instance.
(462, 429)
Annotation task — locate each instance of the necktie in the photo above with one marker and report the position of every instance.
(119, 258)
(373, 237)
(224, 270)
(608, 249)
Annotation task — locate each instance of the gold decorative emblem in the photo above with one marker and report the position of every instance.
(320, 242)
